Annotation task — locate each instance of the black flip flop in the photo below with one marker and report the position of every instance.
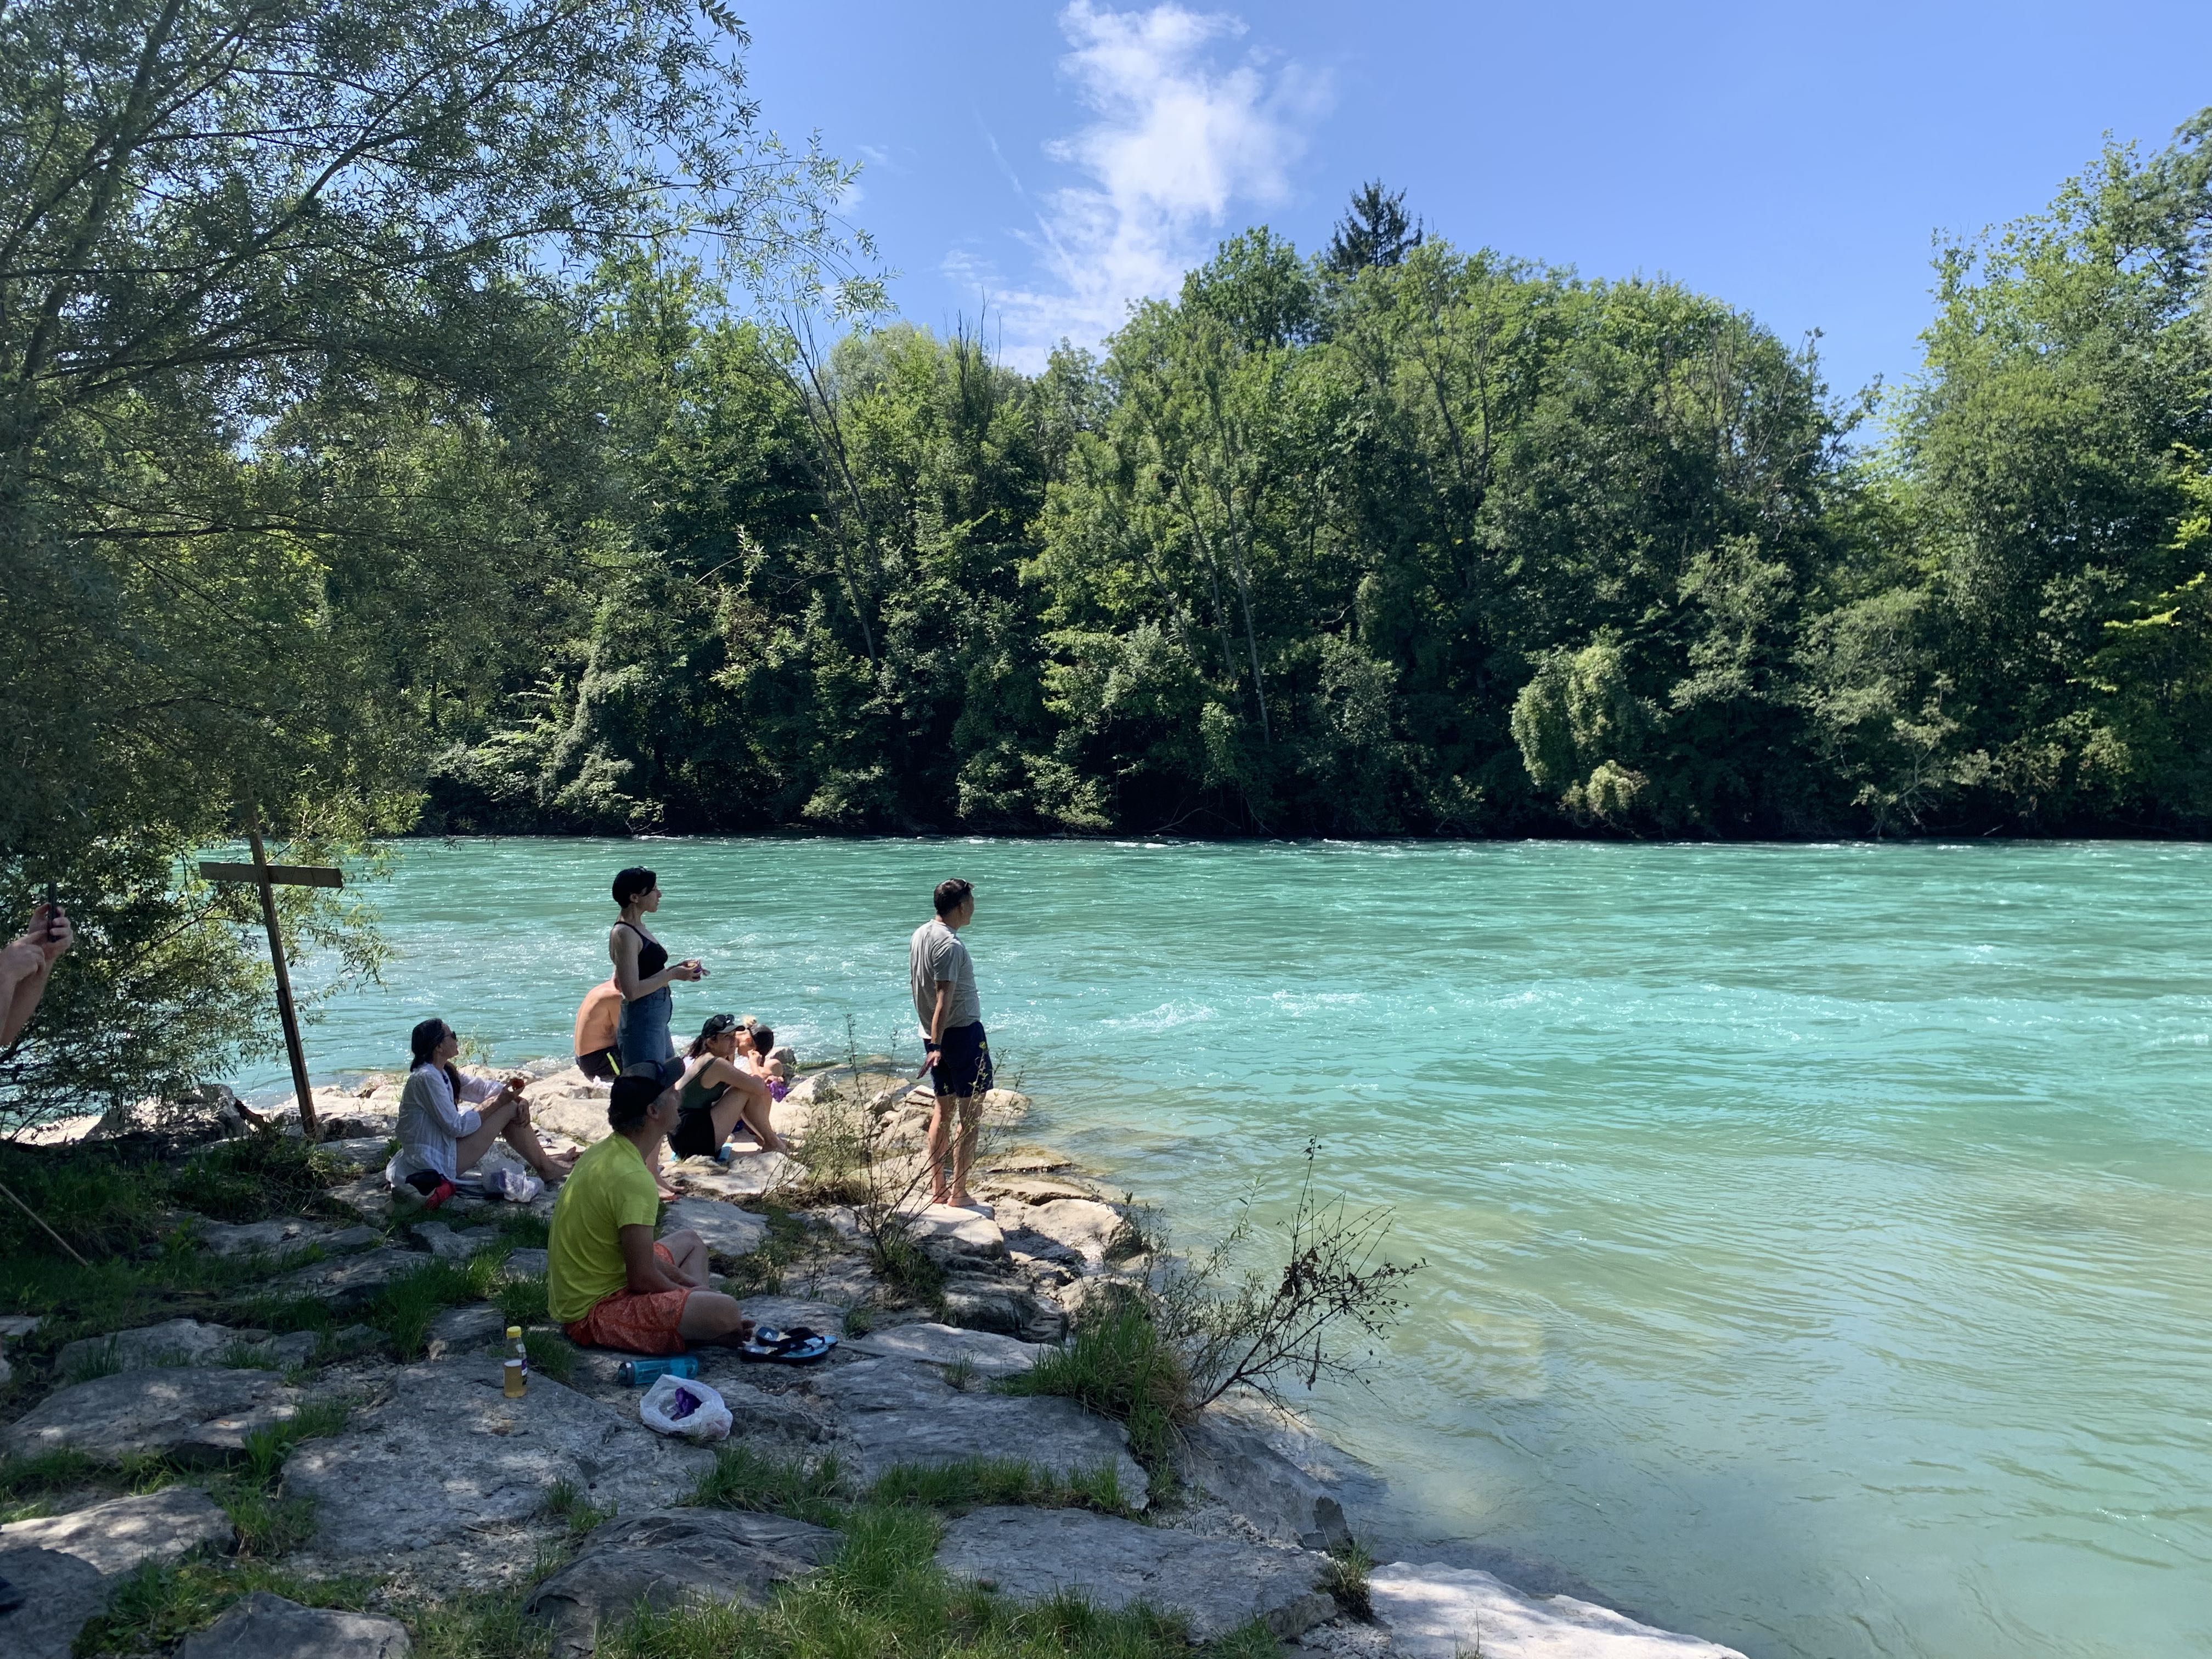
(797, 1346)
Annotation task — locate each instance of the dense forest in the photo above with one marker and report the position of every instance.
(464, 416)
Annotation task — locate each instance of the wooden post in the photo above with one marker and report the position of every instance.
(283, 979)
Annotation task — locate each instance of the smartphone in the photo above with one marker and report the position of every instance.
(53, 912)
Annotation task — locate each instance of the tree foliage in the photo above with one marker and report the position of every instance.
(447, 416)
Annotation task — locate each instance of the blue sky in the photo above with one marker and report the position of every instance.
(1058, 160)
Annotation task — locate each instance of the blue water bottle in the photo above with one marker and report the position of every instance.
(637, 1373)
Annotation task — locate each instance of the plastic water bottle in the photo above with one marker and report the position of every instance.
(518, 1363)
(637, 1373)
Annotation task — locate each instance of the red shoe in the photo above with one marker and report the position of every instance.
(437, 1195)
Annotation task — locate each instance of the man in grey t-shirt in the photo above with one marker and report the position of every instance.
(956, 1054)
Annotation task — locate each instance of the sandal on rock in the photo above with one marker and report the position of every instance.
(797, 1346)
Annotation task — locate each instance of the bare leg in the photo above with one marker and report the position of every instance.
(495, 1122)
(750, 1102)
(963, 1151)
(710, 1317)
(690, 1251)
(935, 1147)
(652, 1168)
(524, 1138)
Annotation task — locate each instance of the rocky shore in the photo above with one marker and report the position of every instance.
(425, 1482)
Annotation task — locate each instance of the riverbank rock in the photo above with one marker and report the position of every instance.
(1088, 1227)
(186, 1342)
(786, 1313)
(284, 1237)
(1218, 1584)
(750, 1175)
(1441, 1612)
(666, 1557)
(265, 1626)
(67, 1566)
(461, 1330)
(186, 1414)
(895, 1411)
(951, 1235)
(1005, 1306)
(987, 1354)
(729, 1232)
(444, 1244)
(447, 1453)
(350, 1283)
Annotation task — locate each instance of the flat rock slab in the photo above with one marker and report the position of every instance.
(744, 1177)
(1218, 1584)
(265, 1626)
(284, 1237)
(729, 1232)
(67, 1566)
(667, 1557)
(1093, 1229)
(360, 1153)
(526, 1264)
(1441, 1613)
(894, 1411)
(1036, 1188)
(943, 1231)
(1025, 1160)
(186, 1342)
(182, 1413)
(458, 1330)
(350, 1283)
(123, 1533)
(990, 1355)
(785, 1313)
(448, 1453)
(446, 1245)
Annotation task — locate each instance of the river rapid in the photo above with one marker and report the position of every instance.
(1818, 1252)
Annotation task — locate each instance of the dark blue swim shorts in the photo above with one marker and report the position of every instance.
(963, 1061)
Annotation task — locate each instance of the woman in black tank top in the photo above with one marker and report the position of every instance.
(642, 973)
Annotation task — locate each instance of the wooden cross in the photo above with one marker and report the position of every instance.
(268, 877)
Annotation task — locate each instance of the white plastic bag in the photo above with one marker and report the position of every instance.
(515, 1185)
(686, 1406)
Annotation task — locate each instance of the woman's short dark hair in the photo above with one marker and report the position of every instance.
(633, 883)
(951, 895)
(630, 1099)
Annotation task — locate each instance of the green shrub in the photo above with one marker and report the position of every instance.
(1122, 1366)
(1345, 1578)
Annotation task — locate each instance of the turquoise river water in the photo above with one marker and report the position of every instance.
(1819, 1257)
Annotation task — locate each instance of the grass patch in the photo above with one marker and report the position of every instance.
(566, 1502)
(28, 1484)
(792, 1241)
(975, 1482)
(882, 1595)
(525, 1231)
(155, 1607)
(403, 1310)
(742, 1479)
(550, 1354)
(487, 1626)
(1345, 1578)
(522, 1300)
(1121, 1366)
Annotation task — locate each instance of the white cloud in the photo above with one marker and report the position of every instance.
(1178, 138)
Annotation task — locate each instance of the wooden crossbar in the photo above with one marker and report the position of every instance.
(281, 875)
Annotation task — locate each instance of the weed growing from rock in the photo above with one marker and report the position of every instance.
(567, 1503)
(1345, 1577)
(1121, 1365)
(156, 1607)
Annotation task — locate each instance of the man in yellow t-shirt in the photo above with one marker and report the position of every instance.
(608, 1284)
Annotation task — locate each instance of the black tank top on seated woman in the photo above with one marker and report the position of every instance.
(652, 954)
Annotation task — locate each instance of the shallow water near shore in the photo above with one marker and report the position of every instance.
(1819, 1257)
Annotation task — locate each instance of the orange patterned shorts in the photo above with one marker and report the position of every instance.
(635, 1322)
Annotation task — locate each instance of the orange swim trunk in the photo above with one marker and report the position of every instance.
(637, 1322)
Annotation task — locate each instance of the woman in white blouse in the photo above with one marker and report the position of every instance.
(447, 1122)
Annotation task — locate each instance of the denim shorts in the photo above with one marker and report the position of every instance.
(641, 1031)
